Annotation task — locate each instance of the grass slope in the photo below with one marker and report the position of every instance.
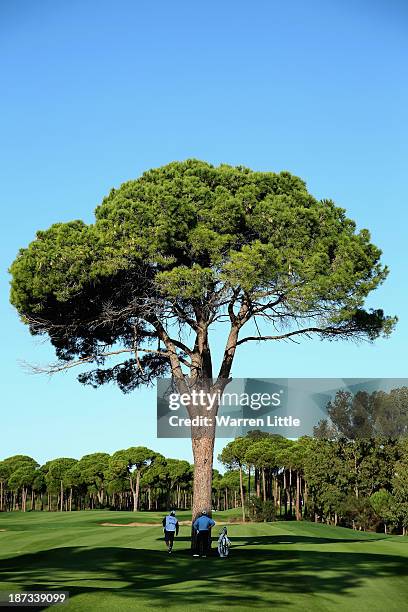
(283, 565)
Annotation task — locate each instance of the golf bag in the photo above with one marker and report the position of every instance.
(223, 543)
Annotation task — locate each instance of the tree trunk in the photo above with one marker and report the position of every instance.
(356, 475)
(62, 497)
(276, 492)
(297, 508)
(137, 491)
(290, 493)
(134, 500)
(241, 490)
(203, 450)
(203, 453)
(263, 484)
(305, 504)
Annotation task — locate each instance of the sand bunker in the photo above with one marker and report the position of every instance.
(129, 524)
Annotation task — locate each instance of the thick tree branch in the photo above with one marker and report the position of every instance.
(174, 358)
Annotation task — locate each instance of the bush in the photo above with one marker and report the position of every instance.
(358, 512)
(259, 510)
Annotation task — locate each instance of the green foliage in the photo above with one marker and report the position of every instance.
(267, 451)
(15, 462)
(358, 511)
(129, 465)
(365, 415)
(92, 469)
(400, 485)
(259, 510)
(383, 504)
(230, 481)
(23, 477)
(187, 238)
(57, 471)
(233, 454)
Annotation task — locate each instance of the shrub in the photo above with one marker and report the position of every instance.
(259, 510)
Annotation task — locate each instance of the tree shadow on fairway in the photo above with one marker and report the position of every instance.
(250, 576)
(276, 540)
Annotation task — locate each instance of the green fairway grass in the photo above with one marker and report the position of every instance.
(283, 565)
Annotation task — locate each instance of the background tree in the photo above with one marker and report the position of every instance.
(39, 489)
(181, 248)
(266, 454)
(400, 486)
(22, 480)
(234, 456)
(19, 472)
(231, 484)
(383, 504)
(327, 477)
(131, 464)
(58, 479)
(4, 475)
(92, 470)
(178, 472)
(256, 456)
(365, 415)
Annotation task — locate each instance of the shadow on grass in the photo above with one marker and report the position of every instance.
(276, 540)
(250, 576)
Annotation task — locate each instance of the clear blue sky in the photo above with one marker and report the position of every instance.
(95, 92)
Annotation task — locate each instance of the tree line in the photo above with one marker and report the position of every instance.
(136, 478)
(353, 472)
(360, 483)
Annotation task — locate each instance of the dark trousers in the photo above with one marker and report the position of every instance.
(169, 538)
(203, 542)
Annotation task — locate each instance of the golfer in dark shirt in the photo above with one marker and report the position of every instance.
(203, 525)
